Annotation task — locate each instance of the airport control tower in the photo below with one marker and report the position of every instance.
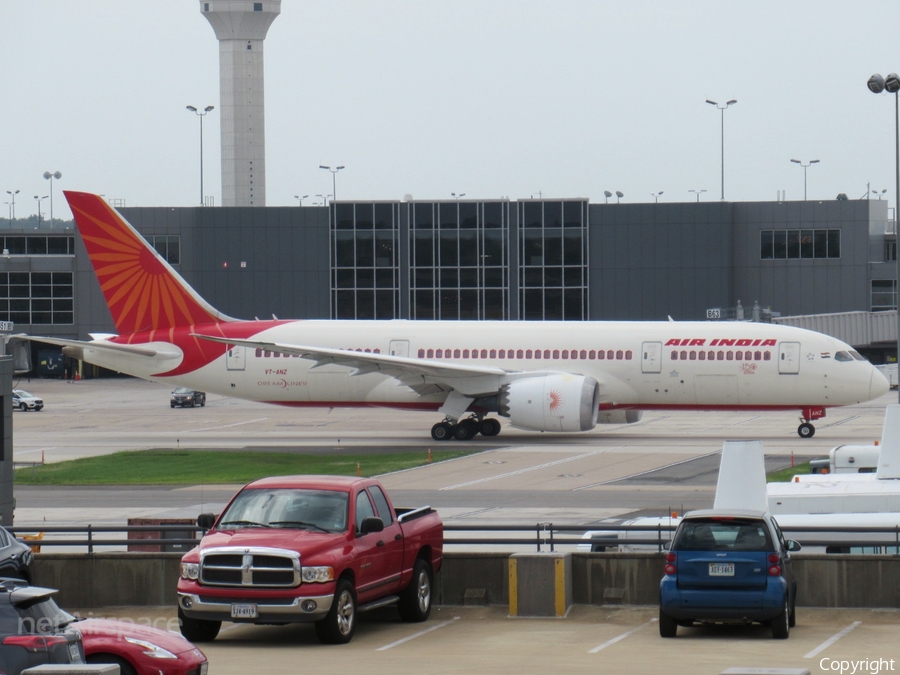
(241, 27)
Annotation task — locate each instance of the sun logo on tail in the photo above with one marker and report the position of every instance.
(555, 401)
(143, 293)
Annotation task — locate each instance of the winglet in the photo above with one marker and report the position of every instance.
(742, 477)
(142, 290)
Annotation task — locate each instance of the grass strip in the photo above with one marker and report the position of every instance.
(785, 475)
(193, 467)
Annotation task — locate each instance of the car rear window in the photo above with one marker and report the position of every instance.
(723, 535)
(41, 615)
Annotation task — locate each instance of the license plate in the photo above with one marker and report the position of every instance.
(74, 653)
(721, 569)
(243, 611)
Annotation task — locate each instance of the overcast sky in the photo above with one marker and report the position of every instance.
(492, 98)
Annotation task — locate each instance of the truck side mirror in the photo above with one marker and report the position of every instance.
(371, 525)
(205, 520)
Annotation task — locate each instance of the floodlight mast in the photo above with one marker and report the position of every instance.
(723, 108)
(891, 84)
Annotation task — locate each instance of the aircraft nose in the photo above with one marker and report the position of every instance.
(878, 385)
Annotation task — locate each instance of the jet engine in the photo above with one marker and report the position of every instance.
(620, 416)
(551, 402)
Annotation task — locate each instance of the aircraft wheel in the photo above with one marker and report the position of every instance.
(806, 430)
(442, 431)
(465, 430)
(489, 427)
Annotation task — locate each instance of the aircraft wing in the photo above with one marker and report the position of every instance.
(157, 351)
(423, 375)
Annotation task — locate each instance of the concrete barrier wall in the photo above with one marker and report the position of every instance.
(137, 579)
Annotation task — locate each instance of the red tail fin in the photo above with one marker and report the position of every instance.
(142, 291)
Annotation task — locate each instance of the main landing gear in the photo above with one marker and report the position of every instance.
(465, 430)
(806, 429)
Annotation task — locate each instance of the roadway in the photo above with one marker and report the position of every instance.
(666, 462)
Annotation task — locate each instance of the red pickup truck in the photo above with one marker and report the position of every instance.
(309, 548)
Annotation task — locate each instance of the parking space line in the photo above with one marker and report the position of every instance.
(525, 470)
(609, 643)
(830, 641)
(419, 634)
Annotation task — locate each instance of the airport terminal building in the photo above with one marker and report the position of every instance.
(528, 259)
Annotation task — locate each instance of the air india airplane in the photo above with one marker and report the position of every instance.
(543, 376)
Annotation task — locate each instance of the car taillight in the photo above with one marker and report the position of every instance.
(35, 643)
(774, 565)
(670, 563)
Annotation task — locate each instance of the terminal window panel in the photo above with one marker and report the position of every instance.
(38, 245)
(37, 298)
(553, 271)
(458, 260)
(168, 246)
(365, 265)
(884, 295)
(797, 244)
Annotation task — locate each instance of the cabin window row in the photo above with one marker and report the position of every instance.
(265, 353)
(720, 355)
(583, 354)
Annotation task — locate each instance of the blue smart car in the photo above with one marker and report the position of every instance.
(728, 566)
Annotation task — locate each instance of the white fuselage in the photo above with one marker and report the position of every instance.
(640, 365)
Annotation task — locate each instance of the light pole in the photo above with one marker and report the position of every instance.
(698, 193)
(13, 208)
(619, 196)
(656, 195)
(201, 115)
(723, 108)
(50, 176)
(300, 199)
(39, 200)
(333, 180)
(805, 167)
(458, 196)
(891, 83)
(325, 199)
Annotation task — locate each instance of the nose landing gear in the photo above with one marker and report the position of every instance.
(806, 429)
(465, 430)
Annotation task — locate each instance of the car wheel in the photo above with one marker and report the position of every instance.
(792, 616)
(23, 407)
(668, 627)
(781, 624)
(338, 625)
(415, 601)
(125, 668)
(198, 630)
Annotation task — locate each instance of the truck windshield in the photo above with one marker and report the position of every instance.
(319, 510)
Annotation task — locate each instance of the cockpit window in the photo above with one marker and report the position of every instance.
(856, 355)
(842, 356)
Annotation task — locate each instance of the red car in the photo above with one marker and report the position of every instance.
(140, 649)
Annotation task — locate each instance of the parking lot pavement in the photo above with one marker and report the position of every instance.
(591, 639)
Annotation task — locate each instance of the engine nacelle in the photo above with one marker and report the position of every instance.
(551, 402)
(620, 416)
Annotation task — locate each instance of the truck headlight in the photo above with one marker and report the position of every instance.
(317, 575)
(190, 570)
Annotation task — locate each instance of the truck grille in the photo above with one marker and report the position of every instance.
(256, 567)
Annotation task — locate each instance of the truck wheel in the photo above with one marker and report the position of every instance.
(338, 625)
(198, 630)
(415, 601)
